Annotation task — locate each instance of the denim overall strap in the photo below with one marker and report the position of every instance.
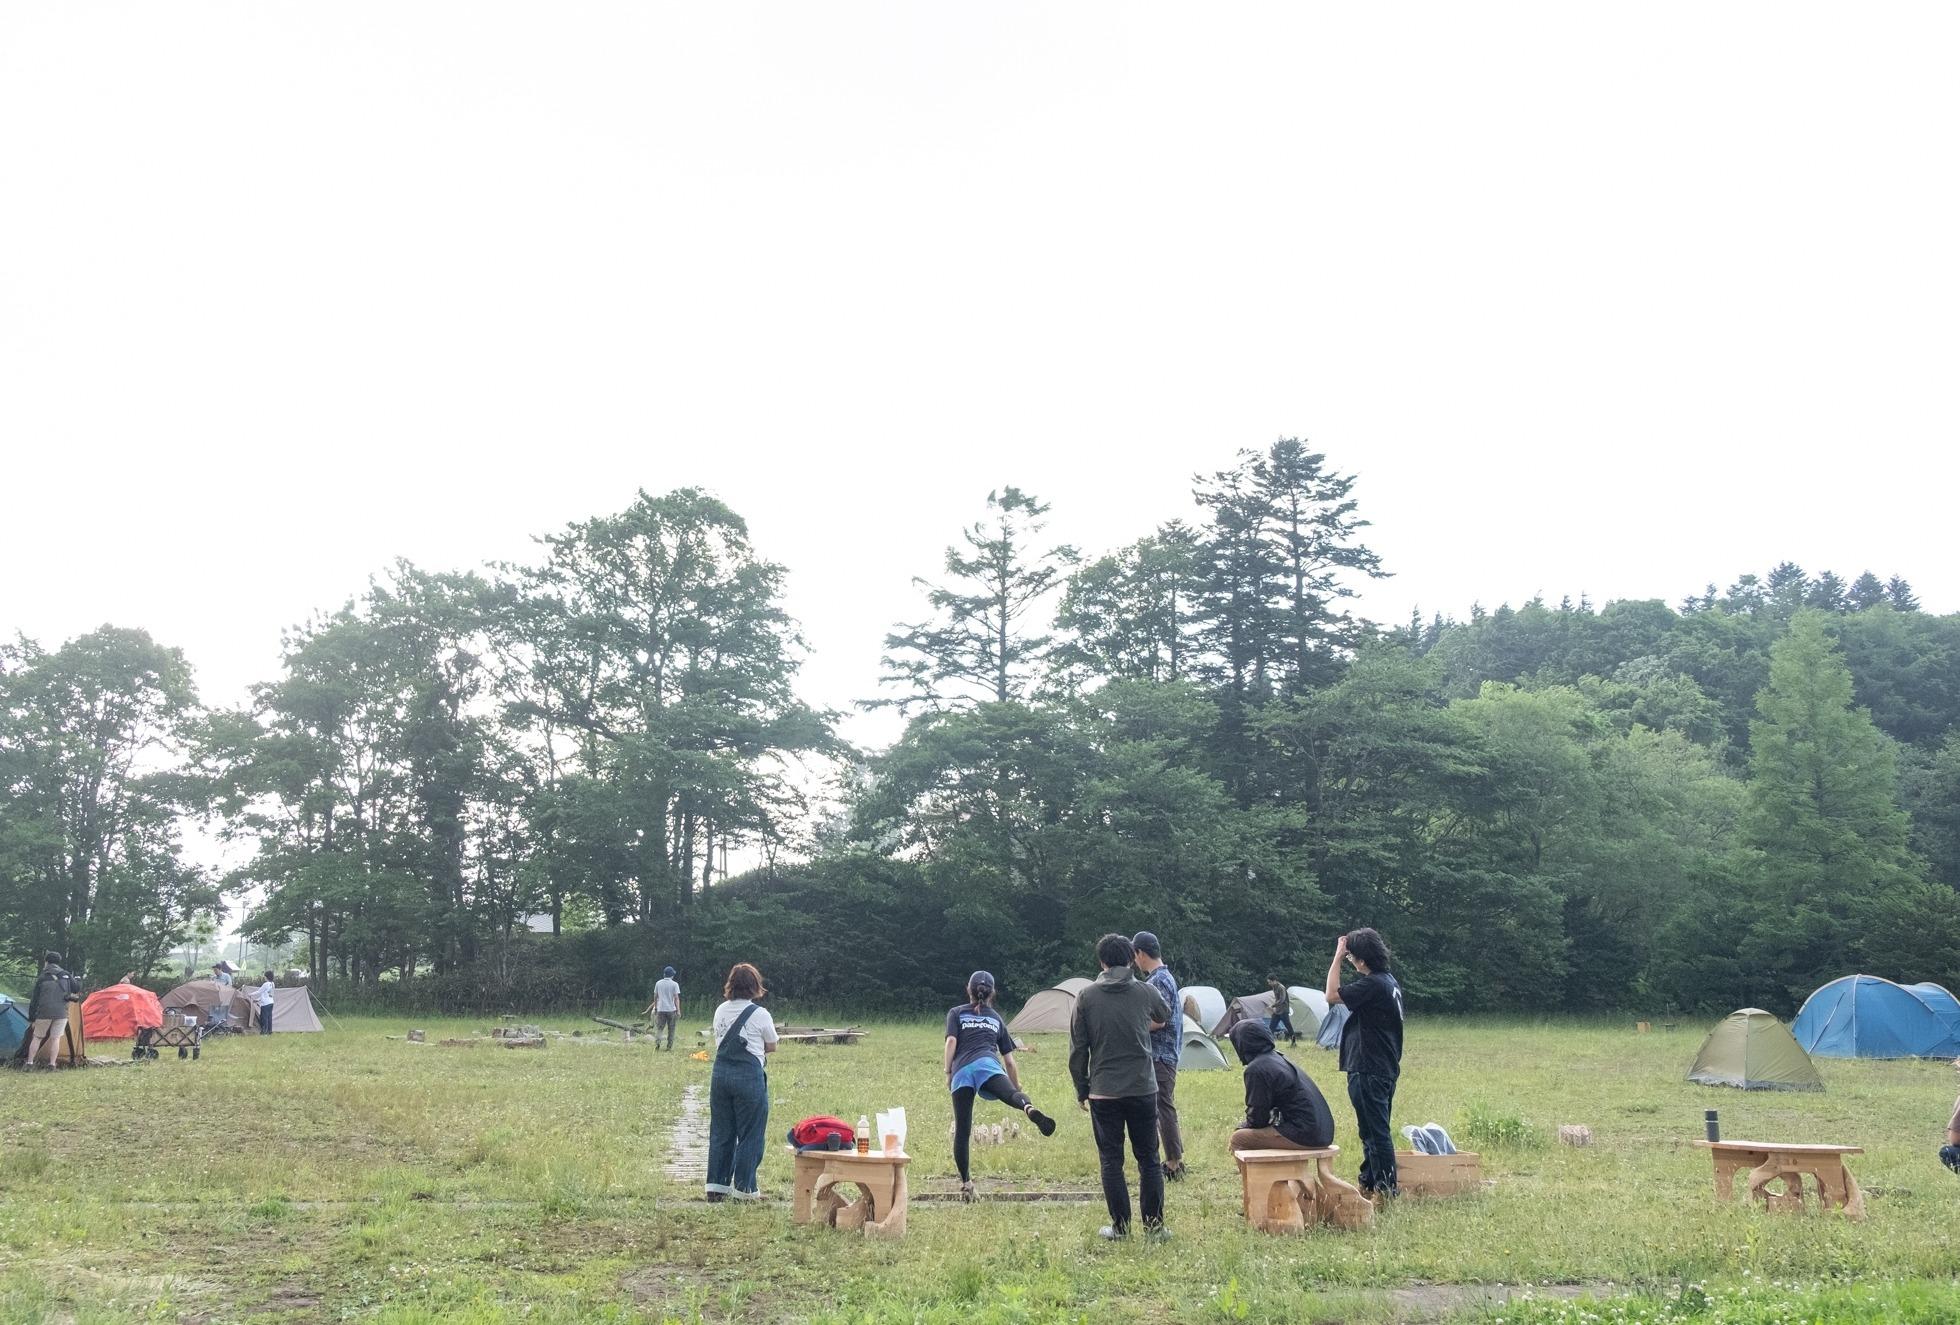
(734, 1056)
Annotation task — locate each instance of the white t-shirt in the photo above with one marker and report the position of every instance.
(265, 998)
(756, 1031)
(667, 996)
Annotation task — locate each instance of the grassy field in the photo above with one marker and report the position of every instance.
(354, 1176)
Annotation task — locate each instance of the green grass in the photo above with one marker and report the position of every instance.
(348, 1176)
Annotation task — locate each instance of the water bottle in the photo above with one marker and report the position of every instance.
(864, 1135)
(1713, 1121)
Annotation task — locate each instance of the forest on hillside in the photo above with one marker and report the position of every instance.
(1721, 800)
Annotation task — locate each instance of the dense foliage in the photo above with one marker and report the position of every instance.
(1725, 801)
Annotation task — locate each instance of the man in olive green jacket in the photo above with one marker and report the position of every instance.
(1109, 1060)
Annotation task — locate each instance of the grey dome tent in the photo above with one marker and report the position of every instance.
(1752, 1050)
(1050, 1010)
(1210, 1003)
(1200, 1052)
(1309, 1008)
(1330, 1027)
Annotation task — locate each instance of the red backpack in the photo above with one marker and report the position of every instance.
(823, 1132)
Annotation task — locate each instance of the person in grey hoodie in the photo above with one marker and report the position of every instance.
(1109, 1060)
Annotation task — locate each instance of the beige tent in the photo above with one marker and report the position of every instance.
(1753, 1050)
(201, 996)
(292, 1010)
(1049, 1010)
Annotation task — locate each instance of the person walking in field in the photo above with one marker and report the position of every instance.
(738, 1090)
(1284, 1110)
(980, 1061)
(1109, 1061)
(1166, 1046)
(47, 1009)
(1371, 1049)
(1281, 1016)
(265, 1001)
(666, 1007)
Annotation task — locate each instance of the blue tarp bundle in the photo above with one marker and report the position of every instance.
(1862, 1016)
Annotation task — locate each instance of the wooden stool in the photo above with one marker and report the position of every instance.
(1287, 1190)
(1772, 1161)
(1417, 1174)
(879, 1209)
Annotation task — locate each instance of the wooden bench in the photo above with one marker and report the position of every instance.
(1417, 1174)
(1288, 1190)
(1774, 1161)
(879, 1209)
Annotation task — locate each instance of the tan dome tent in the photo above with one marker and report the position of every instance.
(1752, 1050)
(1200, 1052)
(292, 1010)
(1049, 1010)
(200, 996)
(1210, 1005)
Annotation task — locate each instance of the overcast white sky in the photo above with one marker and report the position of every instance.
(1606, 299)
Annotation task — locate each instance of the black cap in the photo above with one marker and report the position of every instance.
(1146, 943)
(980, 980)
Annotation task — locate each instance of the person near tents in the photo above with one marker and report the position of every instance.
(47, 1008)
(264, 999)
(1950, 1152)
(222, 972)
(738, 1089)
(1109, 1061)
(666, 1007)
(1281, 1013)
(1166, 1049)
(1284, 1110)
(980, 1061)
(1371, 1049)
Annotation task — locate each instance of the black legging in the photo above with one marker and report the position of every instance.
(1000, 1088)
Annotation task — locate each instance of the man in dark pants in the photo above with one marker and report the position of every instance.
(1110, 1063)
(1166, 1047)
(1371, 1050)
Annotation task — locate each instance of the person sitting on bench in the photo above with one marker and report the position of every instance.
(1284, 1110)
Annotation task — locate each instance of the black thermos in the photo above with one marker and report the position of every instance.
(1714, 1122)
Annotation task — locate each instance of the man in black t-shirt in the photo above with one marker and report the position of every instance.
(1371, 1049)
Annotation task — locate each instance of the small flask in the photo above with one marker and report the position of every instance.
(864, 1135)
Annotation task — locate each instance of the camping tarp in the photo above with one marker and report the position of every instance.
(1050, 1010)
(1200, 1052)
(1210, 1003)
(203, 995)
(1752, 1050)
(118, 1012)
(292, 1010)
(13, 1026)
(1863, 1016)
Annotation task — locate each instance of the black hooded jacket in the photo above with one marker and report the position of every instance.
(1277, 1093)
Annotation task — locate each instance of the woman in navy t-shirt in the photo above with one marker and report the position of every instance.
(980, 1061)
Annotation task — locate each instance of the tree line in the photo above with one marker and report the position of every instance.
(1563, 807)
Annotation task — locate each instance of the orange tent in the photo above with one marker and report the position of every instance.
(118, 1012)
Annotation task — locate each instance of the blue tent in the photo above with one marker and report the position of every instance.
(1862, 1016)
(13, 1026)
(1941, 1000)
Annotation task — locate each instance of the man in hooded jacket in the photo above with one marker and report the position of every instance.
(1284, 1110)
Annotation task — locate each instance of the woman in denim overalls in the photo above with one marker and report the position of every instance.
(738, 1093)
